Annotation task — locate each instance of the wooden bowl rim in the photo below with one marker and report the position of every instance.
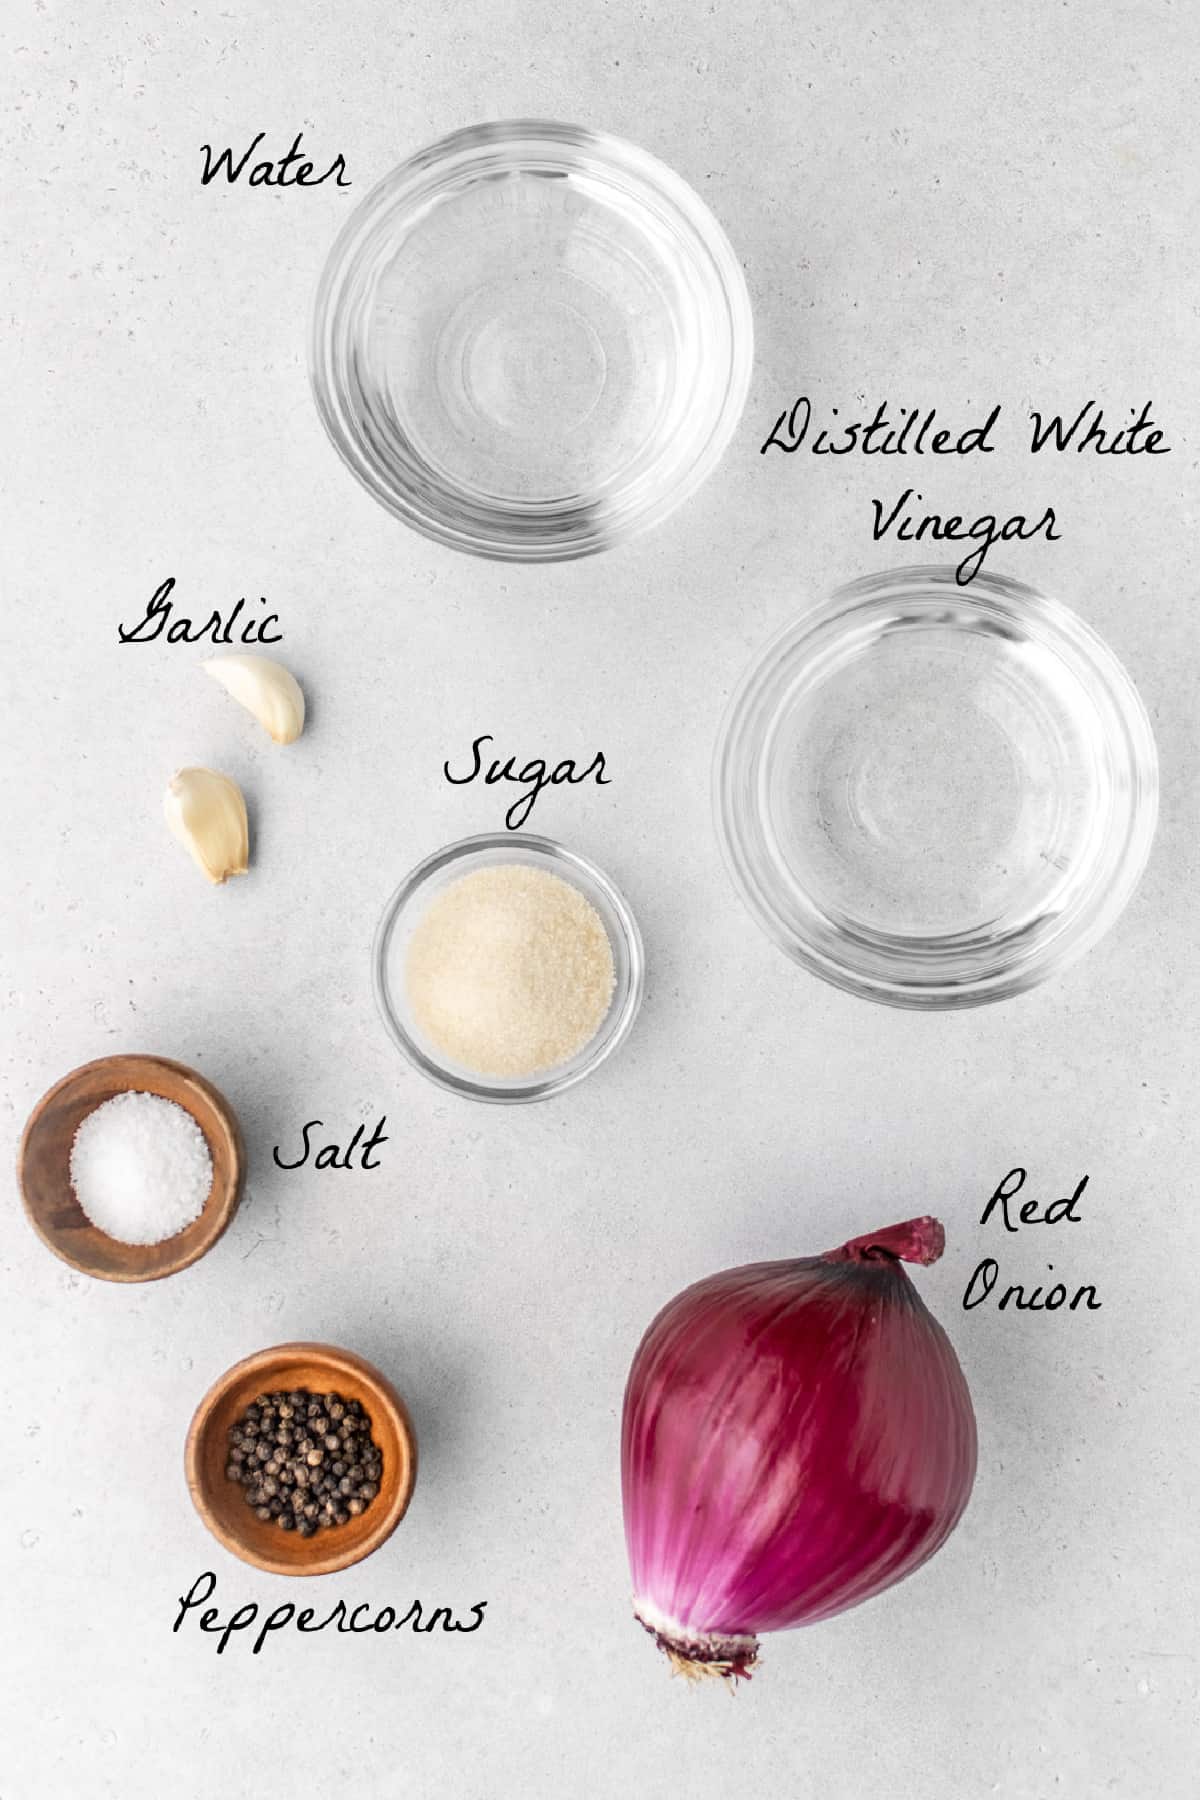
(326, 1558)
(219, 1214)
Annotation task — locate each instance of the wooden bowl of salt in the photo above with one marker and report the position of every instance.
(44, 1167)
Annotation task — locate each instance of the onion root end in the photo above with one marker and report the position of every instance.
(702, 1656)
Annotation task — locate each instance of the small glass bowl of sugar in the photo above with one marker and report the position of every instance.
(506, 968)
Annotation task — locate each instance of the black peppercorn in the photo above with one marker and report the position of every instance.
(301, 1459)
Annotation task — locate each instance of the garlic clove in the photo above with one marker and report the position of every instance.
(207, 813)
(266, 689)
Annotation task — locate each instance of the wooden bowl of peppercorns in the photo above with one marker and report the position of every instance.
(301, 1459)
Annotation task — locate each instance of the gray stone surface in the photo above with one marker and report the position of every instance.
(934, 204)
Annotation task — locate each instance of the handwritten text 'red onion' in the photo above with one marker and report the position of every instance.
(987, 1273)
(914, 431)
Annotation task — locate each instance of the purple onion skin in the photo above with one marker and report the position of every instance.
(797, 1436)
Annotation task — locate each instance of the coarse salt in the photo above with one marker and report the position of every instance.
(140, 1168)
(510, 971)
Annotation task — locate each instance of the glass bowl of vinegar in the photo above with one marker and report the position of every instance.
(935, 795)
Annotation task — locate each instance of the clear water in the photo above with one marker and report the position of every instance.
(531, 342)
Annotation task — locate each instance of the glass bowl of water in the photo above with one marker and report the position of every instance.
(531, 341)
(935, 795)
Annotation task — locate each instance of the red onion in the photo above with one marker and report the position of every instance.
(797, 1437)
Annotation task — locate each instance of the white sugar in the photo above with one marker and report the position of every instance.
(140, 1168)
(510, 971)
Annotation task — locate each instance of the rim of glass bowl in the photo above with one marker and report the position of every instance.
(960, 969)
(518, 531)
(619, 922)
